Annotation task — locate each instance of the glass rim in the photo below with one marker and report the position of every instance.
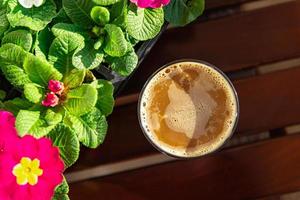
(236, 119)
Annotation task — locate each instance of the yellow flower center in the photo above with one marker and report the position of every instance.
(27, 171)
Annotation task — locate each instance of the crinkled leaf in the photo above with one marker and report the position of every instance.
(106, 100)
(119, 12)
(65, 29)
(61, 17)
(33, 93)
(61, 191)
(43, 42)
(91, 128)
(85, 56)
(115, 41)
(53, 118)
(67, 142)
(79, 12)
(144, 24)
(25, 120)
(22, 38)
(105, 2)
(17, 104)
(100, 15)
(15, 75)
(88, 57)
(124, 65)
(40, 129)
(40, 71)
(74, 79)
(11, 54)
(81, 100)
(62, 50)
(35, 18)
(4, 24)
(182, 12)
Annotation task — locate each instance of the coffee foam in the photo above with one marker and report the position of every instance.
(183, 119)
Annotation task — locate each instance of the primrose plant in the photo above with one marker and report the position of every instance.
(54, 102)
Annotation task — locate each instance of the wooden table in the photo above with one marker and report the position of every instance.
(257, 43)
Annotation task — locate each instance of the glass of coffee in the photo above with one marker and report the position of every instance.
(188, 108)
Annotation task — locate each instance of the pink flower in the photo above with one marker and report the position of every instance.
(51, 100)
(8, 133)
(56, 87)
(32, 169)
(150, 3)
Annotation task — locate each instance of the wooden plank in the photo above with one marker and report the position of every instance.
(267, 102)
(244, 40)
(258, 170)
(212, 4)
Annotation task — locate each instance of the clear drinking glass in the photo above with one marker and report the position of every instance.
(143, 125)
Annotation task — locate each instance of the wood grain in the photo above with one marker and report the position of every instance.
(262, 169)
(240, 41)
(267, 102)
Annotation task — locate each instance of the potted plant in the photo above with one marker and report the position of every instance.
(51, 54)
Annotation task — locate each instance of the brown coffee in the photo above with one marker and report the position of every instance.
(188, 109)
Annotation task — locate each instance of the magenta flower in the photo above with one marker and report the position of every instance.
(8, 133)
(56, 87)
(32, 169)
(150, 3)
(51, 100)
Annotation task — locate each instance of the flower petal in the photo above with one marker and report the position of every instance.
(38, 3)
(26, 3)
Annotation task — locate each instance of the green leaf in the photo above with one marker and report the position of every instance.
(61, 17)
(25, 121)
(52, 118)
(106, 100)
(144, 24)
(91, 128)
(62, 51)
(85, 57)
(22, 38)
(79, 12)
(119, 13)
(40, 129)
(105, 2)
(115, 41)
(61, 191)
(183, 12)
(124, 65)
(40, 71)
(66, 29)
(100, 15)
(67, 142)
(15, 75)
(2, 95)
(4, 24)
(43, 42)
(17, 104)
(74, 79)
(81, 100)
(35, 18)
(88, 57)
(33, 93)
(11, 54)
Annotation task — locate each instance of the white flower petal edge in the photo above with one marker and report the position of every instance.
(38, 3)
(26, 3)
